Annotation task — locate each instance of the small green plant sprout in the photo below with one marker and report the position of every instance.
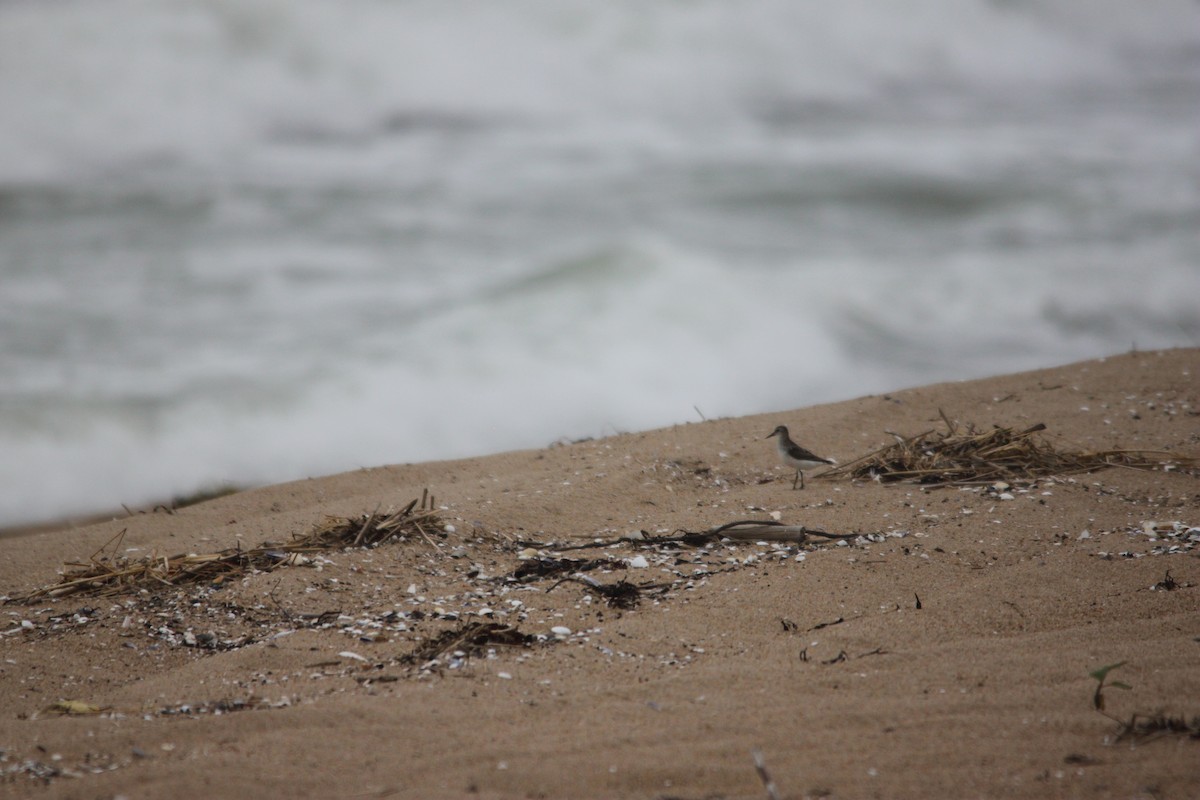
(1102, 683)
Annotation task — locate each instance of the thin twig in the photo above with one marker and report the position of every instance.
(760, 765)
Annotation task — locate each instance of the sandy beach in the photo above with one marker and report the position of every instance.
(937, 643)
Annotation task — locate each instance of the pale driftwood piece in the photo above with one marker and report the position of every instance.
(796, 534)
(760, 766)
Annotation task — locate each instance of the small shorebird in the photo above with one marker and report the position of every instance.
(795, 456)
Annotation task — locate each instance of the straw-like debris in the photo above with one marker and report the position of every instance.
(107, 574)
(746, 530)
(969, 457)
(470, 639)
(752, 530)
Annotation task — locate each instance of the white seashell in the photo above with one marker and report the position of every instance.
(349, 654)
(638, 562)
(561, 630)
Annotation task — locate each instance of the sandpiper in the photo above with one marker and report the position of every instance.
(795, 456)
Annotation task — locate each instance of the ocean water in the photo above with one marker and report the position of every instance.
(247, 241)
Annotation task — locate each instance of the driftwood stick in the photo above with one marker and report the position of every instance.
(760, 766)
(752, 530)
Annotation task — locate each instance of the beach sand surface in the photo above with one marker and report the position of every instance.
(947, 654)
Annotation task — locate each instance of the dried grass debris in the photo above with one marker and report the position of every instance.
(107, 572)
(965, 455)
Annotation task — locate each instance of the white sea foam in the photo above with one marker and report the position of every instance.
(258, 240)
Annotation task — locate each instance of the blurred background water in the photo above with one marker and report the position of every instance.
(255, 240)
